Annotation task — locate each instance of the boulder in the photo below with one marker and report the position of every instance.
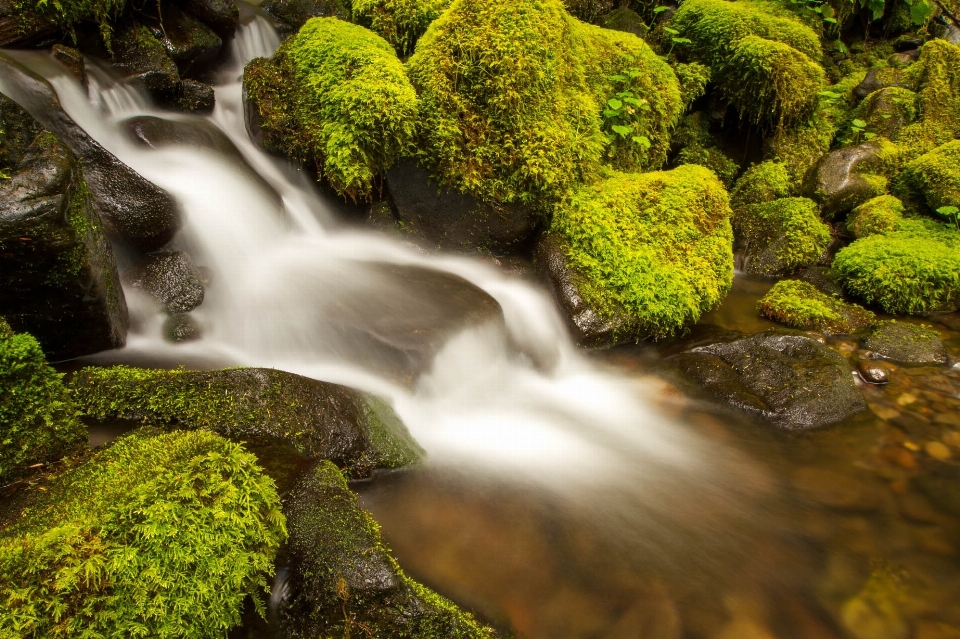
(72, 60)
(321, 420)
(132, 209)
(822, 279)
(452, 220)
(903, 342)
(342, 580)
(19, 28)
(844, 179)
(181, 327)
(800, 305)
(787, 377)
(58, 275)
(887, 111)
(195, 97)
(293, 14)
(142, 58)
(192, 45)
(880, 78)
(222, 16)
(170, 278)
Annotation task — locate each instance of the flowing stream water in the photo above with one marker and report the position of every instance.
(569, 486)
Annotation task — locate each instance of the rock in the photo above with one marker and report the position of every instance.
(341, 577)
(785, 376)
(222, 16)
(937, 450)
(626, 20)
(58, 275)
(181, 327)
(841, 180)
(158, 133)
(195, 97)
(132, 209)
(321, 420)
(905, 44)
(907, 343)
(874, 371)
(19, 28)
(142, 58)
(452, 220)
(880, 78)
(887, 111)
(190, 44)
(946, 31)
(170, 278)
(822, 278)
(293, 14)
(800, 305)
(904, 58)
(72, 60)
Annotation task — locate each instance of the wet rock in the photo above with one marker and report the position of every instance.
(142, 58)
(58, 275)
(904, 342)
(190, 44)
(879, 78)
(822, 278)
(888, 111)
(293, 14)
(170, 278)
(72, 60)
(19, 28)
(800, 305)
(321, 420)
(195, 97)
(181, 327)
(222, 16)
(456, 221)
(132, 209)
(158, 133)
(874, 371)
(342, 580)
(785, 376)
(842, 179)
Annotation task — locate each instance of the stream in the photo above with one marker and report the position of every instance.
(565, 493)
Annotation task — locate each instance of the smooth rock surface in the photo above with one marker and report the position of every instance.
(837, 182)
(903, 342)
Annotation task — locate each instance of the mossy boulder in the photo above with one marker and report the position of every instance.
(293, 14)
(698, 146)
(335, 95)
(800, 305)
(513, 97)
(936, 176)
(763, 60)
(25, 22)
(222, 16)
(38, 419)
(159, 535)
(904, 342)
(399, 22)
(913, 270)
(343, 579)
(140, 56)
(191, 44)
(653, 248)
(761, 183)
(879, 215)
(321, 420)
(58, 274)
(849, 176)
(887, 111)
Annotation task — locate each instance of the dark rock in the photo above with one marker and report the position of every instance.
(946, 31)
(907, 343)
(58, 275)
(19, 131)
(888, 111)
(170, 278)
(456, 221)
(20, 28)
(72, 60)
(907, 44)
(822, 278)
(626, 20)
(190, 44)
(132, 209)
(181, 327)
(880, 78)
(341, 577)
(321, 420)
(222, 16)
(786, 376)
(589, 327)
(142, 58)
(874, 371)
(158, 133)
(293, 14)
(195, 97)
(841, 180)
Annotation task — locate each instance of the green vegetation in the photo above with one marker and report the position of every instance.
(399, 22)
(764, 182)
(156, 536)
(38, 420)
(66, 13)
(763, 60)
(782, 236)
(513, 98)
(335, 94)
(913, 270)
(936, 175)
(697, 146)
(882, 214)
(693, 78)
(659, 244)
(800, 305)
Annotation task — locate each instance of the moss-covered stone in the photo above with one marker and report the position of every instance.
(905, 342)
(624, 19)
(693, 78)
(782, 236)
(158, 535)
(936, 176)
(800, 305)
(334, 94)
(882, 214)
(38, 419)
(399, 22)
(764, 61)
(25, 21)
(761, 183)
(887, 111)
(345, 582)
(513, 97)
(697, 146)
(139, 54)
(913, 270)
(658, 245)
(17, 131)
(322, 420)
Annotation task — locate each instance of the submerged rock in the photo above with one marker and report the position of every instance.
(321, 420)
(344, 581)
(903, 342)
(181, 327)
(785, 376)
(170, 278)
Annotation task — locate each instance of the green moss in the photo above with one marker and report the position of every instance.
(399, 22)
(693, 79)
(66, 13)
(625, 19)
(800, 305)
(886, 112)
(513, 93)
(937, 74)
(658, 244)
(936, 176)
(337, 95)
(783, 235)
(879, 215)
(156, 536)
(698, 146)
(914, 270)
(764, 182)
(38, 419)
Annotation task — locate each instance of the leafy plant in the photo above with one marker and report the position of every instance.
(858, 130)
(952, 214)
(625, 104)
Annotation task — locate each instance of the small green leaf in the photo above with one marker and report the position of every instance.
(622, 131)
(859, 124)
(660, 9)
(614, 104)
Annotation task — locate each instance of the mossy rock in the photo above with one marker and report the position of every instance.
(335, 95)
(657, 246)
(936, 176)
(344, 580)
(849, 176)
(293, 14)
(321, 420)
(38, 418)
(908, 343)
(887, 111)
(159, 535)
(764, 60)
(191, 44)
(589, 10)
(693, 78)
(913, 270)
(624, 19)
(18, 129)
(880, 215)
(698, 146)
(781, 236)
(761, 183)
(800, 305)
(25, 22)
(399, 22)
(170, 278)
(140, 55)
(512, 98)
